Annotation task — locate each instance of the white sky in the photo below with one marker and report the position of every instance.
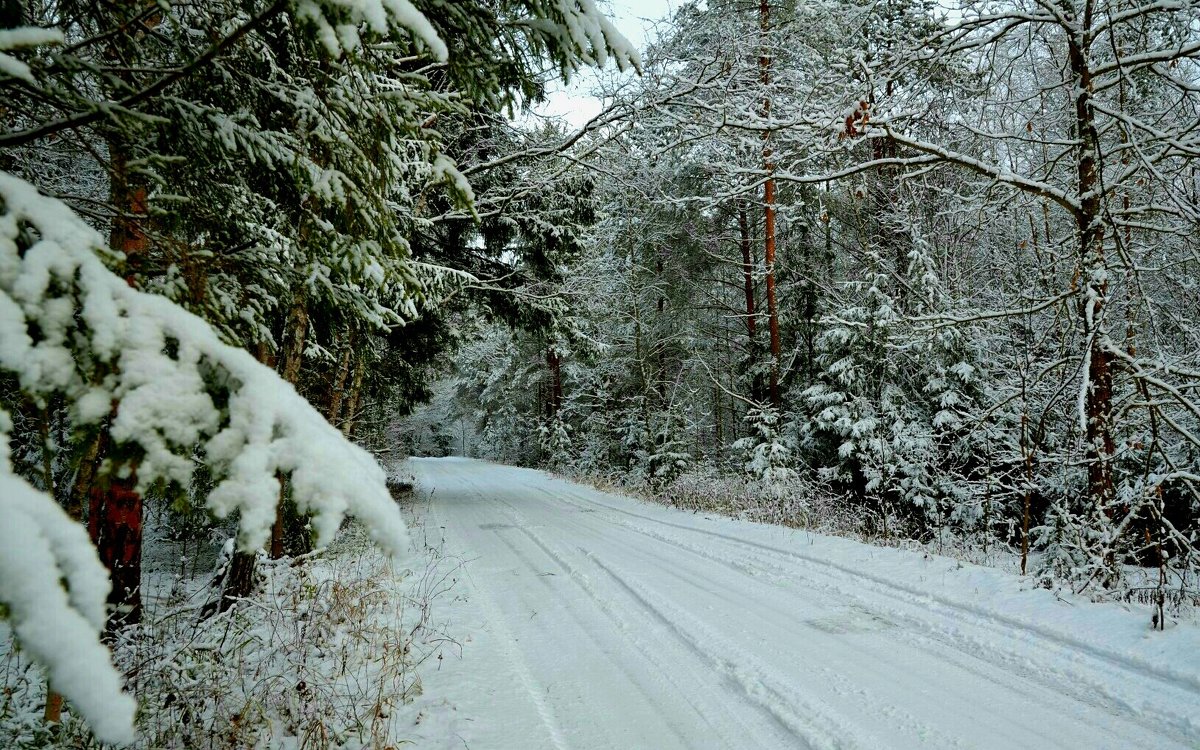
(633, 18)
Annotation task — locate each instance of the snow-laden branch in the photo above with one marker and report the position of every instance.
(71, 328)
(40, 548)
(997, 173)
(941, 320)
(99, 111)
(337, 23)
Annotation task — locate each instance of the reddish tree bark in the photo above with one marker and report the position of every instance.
(115, 526)
(52, 713)
(114, 506)
(764, 64)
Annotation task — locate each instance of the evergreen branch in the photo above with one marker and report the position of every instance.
(101, 110)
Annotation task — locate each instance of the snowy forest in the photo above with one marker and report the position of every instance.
(940, 265)
(919, 274)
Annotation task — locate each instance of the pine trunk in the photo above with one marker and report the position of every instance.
(554, 361)
(747, 272)
(52, 714)
(291, 359)
(718, 436)
(114, 516)
(295, 336)
(660, 349)
(885, 198)
(239, 580)
(354, 398)
(337, 384)
(52, 711)
(764, 62)
(85, 475)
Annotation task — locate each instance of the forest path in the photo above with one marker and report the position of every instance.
(598, 621)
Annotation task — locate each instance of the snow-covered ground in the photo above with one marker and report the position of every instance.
(590, 620)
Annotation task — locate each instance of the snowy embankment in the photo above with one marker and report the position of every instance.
(600, 621)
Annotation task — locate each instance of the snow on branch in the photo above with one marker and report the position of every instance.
(592, 35)
(25, 36)
(40, 548)
(580, 34)
(70, 326)
(337, 23)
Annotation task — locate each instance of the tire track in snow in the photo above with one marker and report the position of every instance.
(837, 681)
(770, 700)
(729, 736)
(958, 648)
(1188, 681)
(506, 641)
(589, 631)
(688, 599)
(1181, 728)
(653, 656)
(825, 732)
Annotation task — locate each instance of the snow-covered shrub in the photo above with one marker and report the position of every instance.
(768, 453)
(668, 460)
(740, 496)
(505, 437)
(555, 442)
(667, 456)
(595, 445)
(325, 654)
(633, 440)
(889, 418)
(797, 502)
(844, 433)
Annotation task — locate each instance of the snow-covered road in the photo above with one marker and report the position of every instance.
(597, 621)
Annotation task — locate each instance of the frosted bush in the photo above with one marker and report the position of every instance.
(768, 452)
